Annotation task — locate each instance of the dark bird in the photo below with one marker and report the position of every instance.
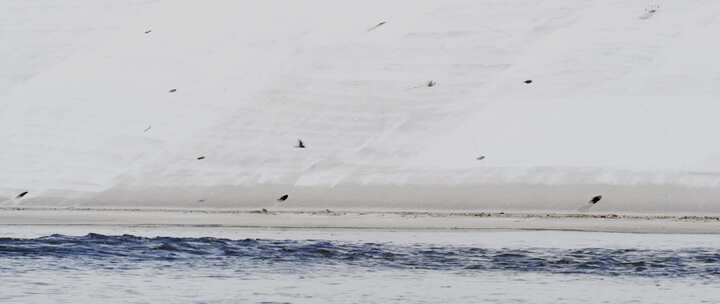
(172, 90)
(300, 144)
(21, 194)
(377, 26)
(201, 158)
(529, 81)
(481, 157)
(148, 128)
(590, 203)
(148, 31)
(431, 83)
(264, 210)
(283, 198)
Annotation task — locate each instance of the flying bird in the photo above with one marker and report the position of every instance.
(283, 198)
(148, 31)
(172, 90)
(529, 81)
(481, 157)
(649, 12)
(148, 128)
(21, 194)
(300, 144)
(377, 26)
(431, 83)
(201, 158)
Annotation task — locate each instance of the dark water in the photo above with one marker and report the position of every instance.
(98, 251)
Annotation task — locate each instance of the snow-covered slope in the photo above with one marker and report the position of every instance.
(623, 103)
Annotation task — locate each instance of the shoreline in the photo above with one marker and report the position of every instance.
(357, 219)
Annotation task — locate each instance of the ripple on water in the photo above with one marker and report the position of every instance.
(126, 251)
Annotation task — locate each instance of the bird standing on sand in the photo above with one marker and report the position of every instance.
(590, 203)
(300, 144)
(283, 198)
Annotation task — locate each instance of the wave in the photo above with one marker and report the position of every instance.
(217, 252)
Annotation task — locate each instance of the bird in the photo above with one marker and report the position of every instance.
(529, 81)
(300, 144)
(283, 198)
(172, 90)
(590, 203)
(431, 83)
(148, 31)
(22, 194)
(148, 128)
(201, 158)
(376, 26)
(481, 157)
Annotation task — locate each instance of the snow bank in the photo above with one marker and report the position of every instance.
(622, 103)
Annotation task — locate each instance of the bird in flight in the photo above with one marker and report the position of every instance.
(148, 31)
(21, 194)
(300, 144)
(172, 90)
(529, 81)
(148, 128)
(377, 26)
(283, 198)
(431, 83)
(481, 157)
(201, 158)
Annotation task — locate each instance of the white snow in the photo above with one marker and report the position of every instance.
(623, 103)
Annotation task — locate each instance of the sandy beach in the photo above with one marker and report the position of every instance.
(636, 223)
